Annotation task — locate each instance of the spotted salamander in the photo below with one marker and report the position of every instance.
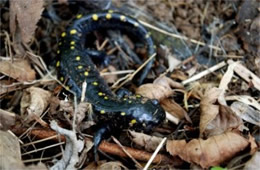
(75, 66)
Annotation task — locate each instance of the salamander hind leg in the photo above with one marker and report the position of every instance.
(103, 132)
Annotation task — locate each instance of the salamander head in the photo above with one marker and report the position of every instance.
(145, 116)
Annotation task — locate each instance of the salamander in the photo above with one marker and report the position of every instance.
(75, 66)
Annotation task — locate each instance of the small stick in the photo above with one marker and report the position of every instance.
(204, 73)
(155, 153)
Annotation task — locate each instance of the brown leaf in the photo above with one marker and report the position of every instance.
(154, 91)
(18, 69)
(208, 109)
(110, 78)
(174, 109)
(210, 152)
(253, 163)
(246, 112)
(160, 89)
(216, 118)
(149, 142)
(26, 14)
(34, 101)
(7, 119)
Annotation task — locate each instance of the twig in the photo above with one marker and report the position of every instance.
(129, 77)
(70, 157)
(155, 153)
(47, 147)
(128, 154)
(204, 73)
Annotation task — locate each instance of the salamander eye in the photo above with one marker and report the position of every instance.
(155, 101)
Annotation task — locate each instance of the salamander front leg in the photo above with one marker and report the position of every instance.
(102, 133)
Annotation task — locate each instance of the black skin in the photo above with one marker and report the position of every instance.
(75, 65)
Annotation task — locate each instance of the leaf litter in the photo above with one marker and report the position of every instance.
(211, 117)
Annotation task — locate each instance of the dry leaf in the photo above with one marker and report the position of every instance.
(154, 91)
(208, 109)
(174, 109)
(18, 69)
(227, 76)
(149, 142)
(253, 163)
(7, 119)
(111, 166)
(160, 89)
(246, 74)
(216, 118)
(26, 14)
(34, 101)
(245, 99)
(210, 152)
(111, 78)
(246, 112)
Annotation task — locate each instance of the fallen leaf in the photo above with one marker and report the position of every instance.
(160, 89)
(110, 78)
(174, 109)
(208, 109)
(150, 143)
(35, 100)
(24, 16)
(253, 163)
(246, 112)
(7, 119)
(216, 118)
(112, 166)
(154, 91)
(210, 152)
(246, 74)
(18, 69)
(245, 99)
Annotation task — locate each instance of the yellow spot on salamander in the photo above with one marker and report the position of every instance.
(106, 98)
(100, 93)
(73, 31)
(129, 101)
(67, 88)
(72, 43)
(77, 58)
(63, 34)
(79, 16)
(122, 113)
(102, 112)
(58, 51)
(108, 16)
(72, 47)
(61, 78)
(60, 43)
(110, 11)
(95, 83)
(95, 17)
(147, 35)
(58, 64)
(138, 96)
(125, 99)
(123, 18)
(133, 121)
(80, 67)
(86, 73)
(136, 24)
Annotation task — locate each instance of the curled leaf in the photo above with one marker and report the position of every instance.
(210, 152)
(34, 101)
